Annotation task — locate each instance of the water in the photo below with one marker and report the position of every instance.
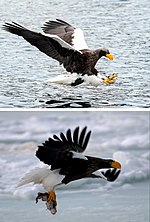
(123, 136)
(121, 26)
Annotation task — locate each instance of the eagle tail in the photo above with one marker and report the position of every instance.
(35, 176)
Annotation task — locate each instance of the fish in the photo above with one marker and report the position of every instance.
(51, 206)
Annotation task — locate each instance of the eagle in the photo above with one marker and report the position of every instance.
(66, 44)
(65, 162)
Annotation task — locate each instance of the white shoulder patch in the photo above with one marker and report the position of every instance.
(78, 40)
(61, 42)
(78, 155)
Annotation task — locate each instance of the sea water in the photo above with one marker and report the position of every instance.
(122, 136)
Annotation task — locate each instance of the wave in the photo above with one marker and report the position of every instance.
(107, 129)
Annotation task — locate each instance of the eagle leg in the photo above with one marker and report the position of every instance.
(51, 202)
(51, 197)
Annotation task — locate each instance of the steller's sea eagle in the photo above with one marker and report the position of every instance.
(66, 44)
(67, 163)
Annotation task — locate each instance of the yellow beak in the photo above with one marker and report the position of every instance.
(116, 165)
(109, 56)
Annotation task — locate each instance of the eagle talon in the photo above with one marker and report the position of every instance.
(110, 79)
(51, 197)
(51, 202)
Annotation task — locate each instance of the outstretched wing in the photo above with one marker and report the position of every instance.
(110, 175)
(60, 28)
(71, 35)
(51, 45)
(58, 151)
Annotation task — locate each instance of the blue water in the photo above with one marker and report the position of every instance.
(121, 26)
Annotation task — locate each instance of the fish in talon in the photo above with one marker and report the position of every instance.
(52, 207)
(50, 199)
(43, 196)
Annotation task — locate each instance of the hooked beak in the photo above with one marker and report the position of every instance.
(109, 56)
(116, 164)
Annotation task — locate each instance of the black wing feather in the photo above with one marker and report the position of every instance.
(64, 140)
(84, 145)
(45, 44)
(56, 137)
(60, 28)
(56, 151)
(69, 138)
(111, 175)
(82, 135)
(76, 135)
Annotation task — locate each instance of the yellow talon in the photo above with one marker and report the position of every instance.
(52, 197)
(110, 79)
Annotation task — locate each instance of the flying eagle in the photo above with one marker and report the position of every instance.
(66, 44)
(67, 163)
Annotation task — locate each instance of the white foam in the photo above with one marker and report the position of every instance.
(93, 80)
(68, 79)
(65, 79)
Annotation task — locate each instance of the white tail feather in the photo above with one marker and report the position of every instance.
(35, 176)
